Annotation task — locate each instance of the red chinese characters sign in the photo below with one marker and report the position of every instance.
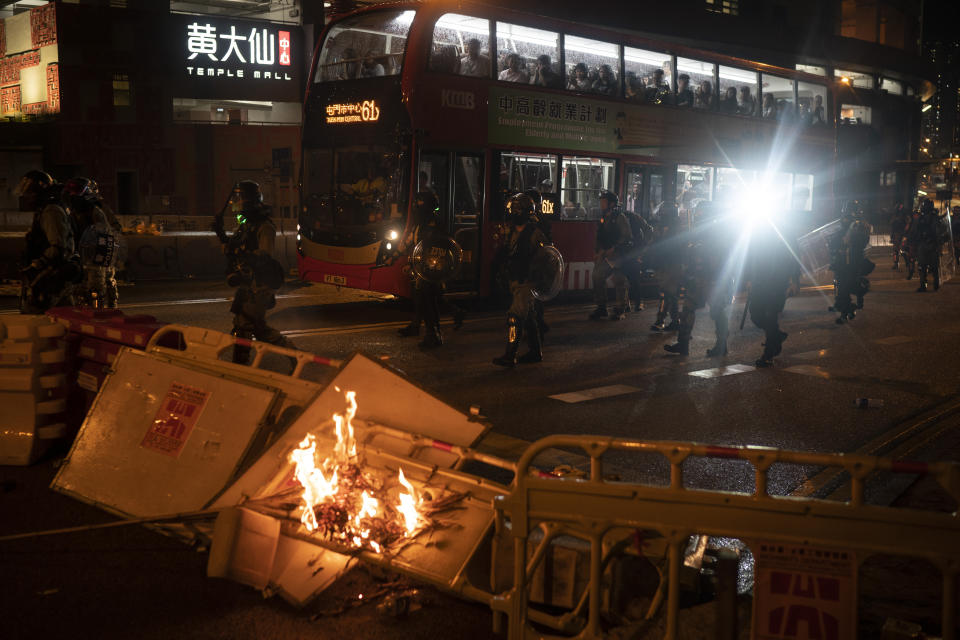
(175, 419)
(803, 592)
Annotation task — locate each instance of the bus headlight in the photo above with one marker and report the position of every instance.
(393, 234)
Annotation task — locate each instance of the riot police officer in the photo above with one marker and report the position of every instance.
(613, 246)
(927, 239)
(98, 242)
(253, 269)
(426, 294)
(898, 226)
(525, 241)
(706, 280)
(849, 265)
(49, 266)
(668, 262)
(772, 270)
(543, 221)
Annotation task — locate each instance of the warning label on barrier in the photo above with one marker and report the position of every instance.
(175, 419)
(803, 592)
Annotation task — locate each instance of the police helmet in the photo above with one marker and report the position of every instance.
(535, 195)
(520, 208)
(246, 194)
(851, 208)
(35, 189)
(81, 193)
(609, 196)
(926, 206)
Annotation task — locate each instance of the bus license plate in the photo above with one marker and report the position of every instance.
(332, 279)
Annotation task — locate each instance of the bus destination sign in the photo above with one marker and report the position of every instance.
(350, 112)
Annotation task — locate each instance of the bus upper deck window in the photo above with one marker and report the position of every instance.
(461, 45)
(365, 46)
(523, 51)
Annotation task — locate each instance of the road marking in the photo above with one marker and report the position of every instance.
(895, 340)
(914, 431)
(719, 372)
(809, 370)
(593, 394)
(811, 355)
(510, 448)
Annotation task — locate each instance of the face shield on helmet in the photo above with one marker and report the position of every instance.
(610, 197)
(81, 193)
(33, 187)
(246, 196)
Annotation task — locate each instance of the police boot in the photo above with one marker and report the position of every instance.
(599, 313)
(514, 333)
(661, 315)
(718, 349)
(535, 354)
(682, 347)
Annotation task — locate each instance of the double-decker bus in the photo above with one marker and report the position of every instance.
(476, 103)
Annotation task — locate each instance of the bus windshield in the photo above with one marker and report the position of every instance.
(364, 46)
(353, 186)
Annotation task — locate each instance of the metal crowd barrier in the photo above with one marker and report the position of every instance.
(592, 508)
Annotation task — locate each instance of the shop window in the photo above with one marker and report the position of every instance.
(365, 46)
(777, 103)
(738, 91)
(854, 78)
(855, 114)
(888, 178)
(649, 75)
(581, 182)
(461, 44)
(812, 100)
(733, 186)
(698, 78)
(122, 96)
(592, 66)
(520, 48)
(891, 86)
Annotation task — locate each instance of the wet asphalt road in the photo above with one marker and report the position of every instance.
(132, 583)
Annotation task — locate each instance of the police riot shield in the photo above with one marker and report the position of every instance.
(436, 259)
(814, 249)
(546, 272)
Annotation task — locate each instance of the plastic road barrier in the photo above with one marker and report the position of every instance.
(32, 387)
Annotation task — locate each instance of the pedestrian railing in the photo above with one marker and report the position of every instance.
(593, 508)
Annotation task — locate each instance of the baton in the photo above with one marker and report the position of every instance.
(746, 306)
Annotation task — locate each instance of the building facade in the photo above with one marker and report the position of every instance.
(165, 104)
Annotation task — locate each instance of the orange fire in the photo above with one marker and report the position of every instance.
(337, 485)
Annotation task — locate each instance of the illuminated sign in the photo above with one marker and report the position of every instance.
(234, 51)
(547, 207)
(340, 113)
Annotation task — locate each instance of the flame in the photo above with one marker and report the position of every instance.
(333, 481)
(408, 505)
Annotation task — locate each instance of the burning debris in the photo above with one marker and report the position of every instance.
(354, 508)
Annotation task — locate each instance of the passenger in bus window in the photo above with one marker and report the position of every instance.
(606, 82)
(684, 94)
(579, 80)
(747, 104)
(351, 66)
(657, 89)
(634, 87)
(545, 76)
(769, 106)
(371, 68)
(817, 117)
(703, 98)
(514, 71)
(474, 63)
(445, 59)
(573, 210)
(728, 103)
